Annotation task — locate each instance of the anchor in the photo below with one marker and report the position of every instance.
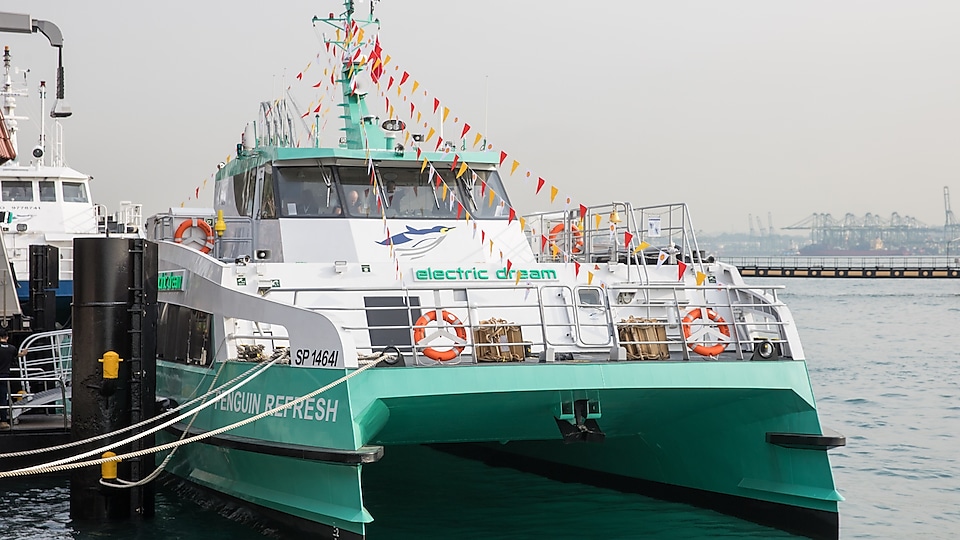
(583, 429)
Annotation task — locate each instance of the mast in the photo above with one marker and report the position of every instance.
(361, 129)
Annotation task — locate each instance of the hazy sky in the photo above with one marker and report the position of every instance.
(735, 107)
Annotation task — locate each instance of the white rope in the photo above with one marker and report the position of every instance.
(102, 449)
(256, 372)
(47, 468)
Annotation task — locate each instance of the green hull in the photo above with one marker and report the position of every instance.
(696, 426)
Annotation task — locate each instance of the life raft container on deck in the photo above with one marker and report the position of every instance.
(575, 231)
(700, 348)
(420, 333)
(205, 241)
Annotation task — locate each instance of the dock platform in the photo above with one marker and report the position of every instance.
(848, 267)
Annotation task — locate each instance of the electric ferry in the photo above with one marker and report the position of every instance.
(382, 292)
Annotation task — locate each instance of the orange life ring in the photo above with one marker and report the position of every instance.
(577, 236)
(204, 227)
(712, 350)
(420, 332)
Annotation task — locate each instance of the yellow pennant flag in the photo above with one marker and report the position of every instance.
(554, 249)
(468, 216)
(553, 193)
(513, 168)
(701, 277)
(360, 36)
(446, 111)
(492, 195)
(386, 60)
(416, 85)
(429, 134)
(523, 224)
(444, 197)
(391, 111)
(517, 281)
(418, 121)
(642, 246)
(181, 204)
(398, 90)
(491, 247)
(476, 140)
(589, 278)
(229, 157)
(424, 166)
(338, 34)
(597, 218)
(406, 137)
(463, 169)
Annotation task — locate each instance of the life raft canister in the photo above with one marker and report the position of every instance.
(206, 244)
(420, 332)
(574, 230)
(705, 313)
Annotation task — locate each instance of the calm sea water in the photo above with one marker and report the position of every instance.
(883, 357)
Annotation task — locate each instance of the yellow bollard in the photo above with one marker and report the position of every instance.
(108, 469)
(111, 365)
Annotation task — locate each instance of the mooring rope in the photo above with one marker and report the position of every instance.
(256, 372)
(48, 468)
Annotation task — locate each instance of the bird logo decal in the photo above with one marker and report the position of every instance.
(415, 243)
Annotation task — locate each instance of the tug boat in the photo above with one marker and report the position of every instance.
(383, 293)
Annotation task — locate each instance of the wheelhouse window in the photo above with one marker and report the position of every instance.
(75, 192)
(307, 192)
(244, 186)
(48, 191)
(486, 196)
(16, 190)
(409, 193)
(268, 198)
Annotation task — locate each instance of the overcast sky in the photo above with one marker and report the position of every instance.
(735, 107)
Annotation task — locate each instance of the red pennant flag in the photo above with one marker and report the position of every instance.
(627, 237)
(404, 78)
(306, 114)
(377, 71)
(439, 180)
(389, 83)
(318, 84)
(456, 158)
(503, 156)
(439, 142)
(198, 193)
(513, 216)
(576, 268)
(436, 103)
(459, 209)
(483, 188)
(412, 109)
(300, 76)
(583, 211)
(466, 128)
(540, 184)
(682, 268)
(543, 242)
(418, 152)
(509, 264)
(318, 108)
(483, 237)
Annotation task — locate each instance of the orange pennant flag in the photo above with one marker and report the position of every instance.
(597, 218)
(553, 193)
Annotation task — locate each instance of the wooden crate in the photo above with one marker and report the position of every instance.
(491, 341)
(644, 339)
